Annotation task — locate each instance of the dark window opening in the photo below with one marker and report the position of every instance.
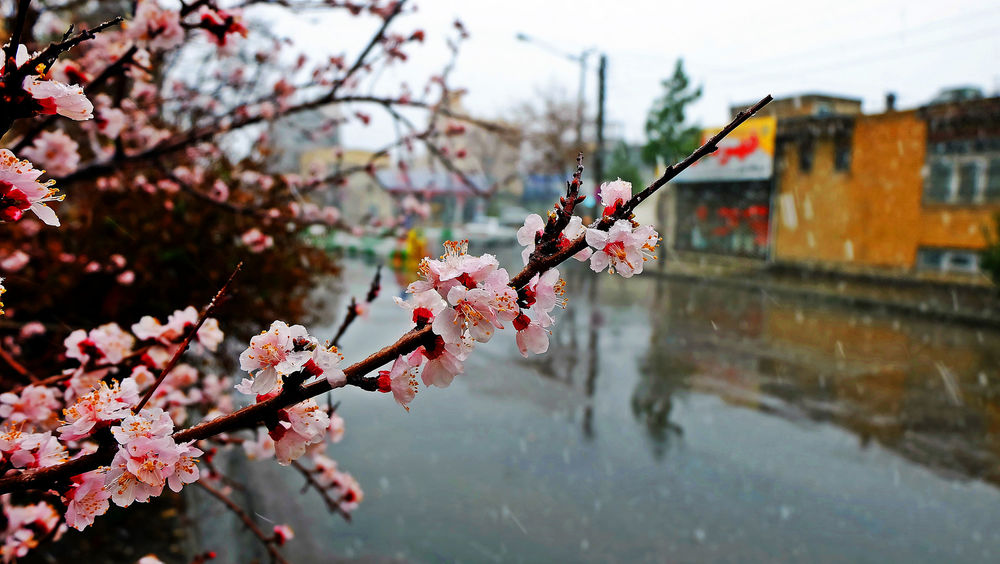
(937, 187)
(968, 176)
(993, 181)
(842, 153)
(805, 155)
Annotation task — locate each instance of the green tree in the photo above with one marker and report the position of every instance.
(623, 164)
(668, 137)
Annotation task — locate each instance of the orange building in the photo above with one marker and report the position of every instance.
(908, 190)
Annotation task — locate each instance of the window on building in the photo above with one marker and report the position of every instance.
(992, 191)
(806, 155)
(947, 260)
(930, 259)
(937, 186)
(842, 153)
(968, 179)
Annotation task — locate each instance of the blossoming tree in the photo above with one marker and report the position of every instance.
(122, 414)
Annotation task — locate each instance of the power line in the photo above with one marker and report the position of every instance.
(934, 26)
(750, 73)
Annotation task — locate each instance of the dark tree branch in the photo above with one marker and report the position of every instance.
(331, 504)
(187, 340)
(352, 308)
(267, 540)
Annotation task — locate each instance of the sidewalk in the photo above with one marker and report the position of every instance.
(968, 300)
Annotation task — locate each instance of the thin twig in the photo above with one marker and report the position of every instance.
(267, 540)
(331, 503)
(18, 367)
(187, 340)
(352, 308)
(360, 61)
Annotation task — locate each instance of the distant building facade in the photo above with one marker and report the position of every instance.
(907, 191)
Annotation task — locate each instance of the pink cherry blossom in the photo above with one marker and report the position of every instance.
(423, 306)
(301, 425)
(350, 491)
(55, 151)
(335, 431)
(273, 354)
(531, 336)
(400, 380)
(125, 487)
(455, 268)
(209, 334)
(160, 29)
(106, 403)
(260, 449)
(478, 311)
(58, 98)
(185, 470)
(543, 293)
(444, 361)
(614, 194)
(15, 261)
(20, 190)
(283, 534)
(88, 499)
(150, 423)
(257, 241)
(34, 404)
(619, 249)
(535, 225)
(32, 450)
(111, 340)
(324, 363)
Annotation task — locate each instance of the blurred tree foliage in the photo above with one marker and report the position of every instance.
(180, 249)
(624, 163)
(668, 138)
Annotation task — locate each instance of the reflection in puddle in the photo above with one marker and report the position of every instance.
(925, 390)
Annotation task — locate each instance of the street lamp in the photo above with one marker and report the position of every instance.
(580, 59)
(601, 74)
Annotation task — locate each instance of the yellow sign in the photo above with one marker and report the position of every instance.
(745, 154)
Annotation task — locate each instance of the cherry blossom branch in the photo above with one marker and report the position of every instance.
(425, 138)
(98, 81)
(267, 540)
(352, 308)
(187, 340)
(253, 415)
(548, 241)
(50, 53)
(311, 482)
(360, 61)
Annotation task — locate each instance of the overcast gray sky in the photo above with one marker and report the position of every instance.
(738, 51)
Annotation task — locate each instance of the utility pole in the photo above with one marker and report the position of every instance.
(599, 149)
(581, 59)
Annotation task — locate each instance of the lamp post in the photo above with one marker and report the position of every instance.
(581, 59)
